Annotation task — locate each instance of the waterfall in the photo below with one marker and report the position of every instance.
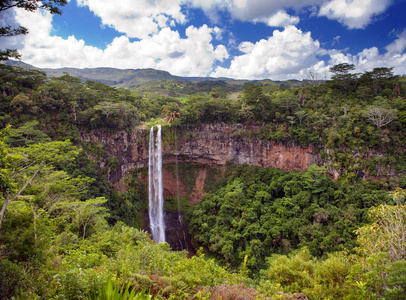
(155, 187)
(183, 246)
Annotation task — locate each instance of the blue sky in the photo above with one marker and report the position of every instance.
(244, 39)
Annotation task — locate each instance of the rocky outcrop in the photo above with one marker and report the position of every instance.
(221, 143)
(211, 144)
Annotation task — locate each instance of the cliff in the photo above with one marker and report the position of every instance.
(208, 144)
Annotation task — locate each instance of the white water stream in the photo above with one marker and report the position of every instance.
(182, 239)
(155, 187)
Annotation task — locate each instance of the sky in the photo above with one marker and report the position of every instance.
(241, 39)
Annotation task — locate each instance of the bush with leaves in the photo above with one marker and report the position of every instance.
(380, 264)
(301, 273)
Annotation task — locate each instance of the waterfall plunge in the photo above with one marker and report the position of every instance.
(155, 187)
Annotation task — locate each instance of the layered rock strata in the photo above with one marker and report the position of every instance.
(212, 144)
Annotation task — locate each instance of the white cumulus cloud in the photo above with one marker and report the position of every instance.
(191, 56)
(257, 10)
(136, 18)
(398, 45)
(354, 13)
(351, 13)
(286, 54)
(279, 19)
(371, 58)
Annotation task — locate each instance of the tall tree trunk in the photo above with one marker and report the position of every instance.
(3, 209)
(84, 230)
(35, 228)
(8, 199)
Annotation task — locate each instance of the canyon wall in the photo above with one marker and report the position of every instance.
(207, 144)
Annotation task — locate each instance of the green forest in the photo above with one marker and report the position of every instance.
(336, 231)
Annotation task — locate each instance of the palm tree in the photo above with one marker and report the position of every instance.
(171, 112)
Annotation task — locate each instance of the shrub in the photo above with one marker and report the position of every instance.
(11, 276)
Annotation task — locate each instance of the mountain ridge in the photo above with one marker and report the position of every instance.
(131, 78)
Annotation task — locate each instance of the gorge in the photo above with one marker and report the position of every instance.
(201, 148)
(205, 151)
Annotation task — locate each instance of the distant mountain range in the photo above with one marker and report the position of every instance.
(138, 79)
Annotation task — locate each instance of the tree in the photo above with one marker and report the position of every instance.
(255, 104)
(287, 100)
(315, 180)
(252, 94)
(51, 188)
(380, 116)
(383, 72)
(19, 166)
(171, 111)
(342, 75)
(312, 77)
(387, 233)
(301, 114)
(27, 134)
(382, 251)
(29, 5)
(88, 211)
(114, 115)
(218, 92)
(341, 69)
(379, 79)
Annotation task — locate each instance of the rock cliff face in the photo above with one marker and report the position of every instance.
(208, 144)
(221, 143)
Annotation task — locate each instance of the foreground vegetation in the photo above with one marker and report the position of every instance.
(264, 233)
